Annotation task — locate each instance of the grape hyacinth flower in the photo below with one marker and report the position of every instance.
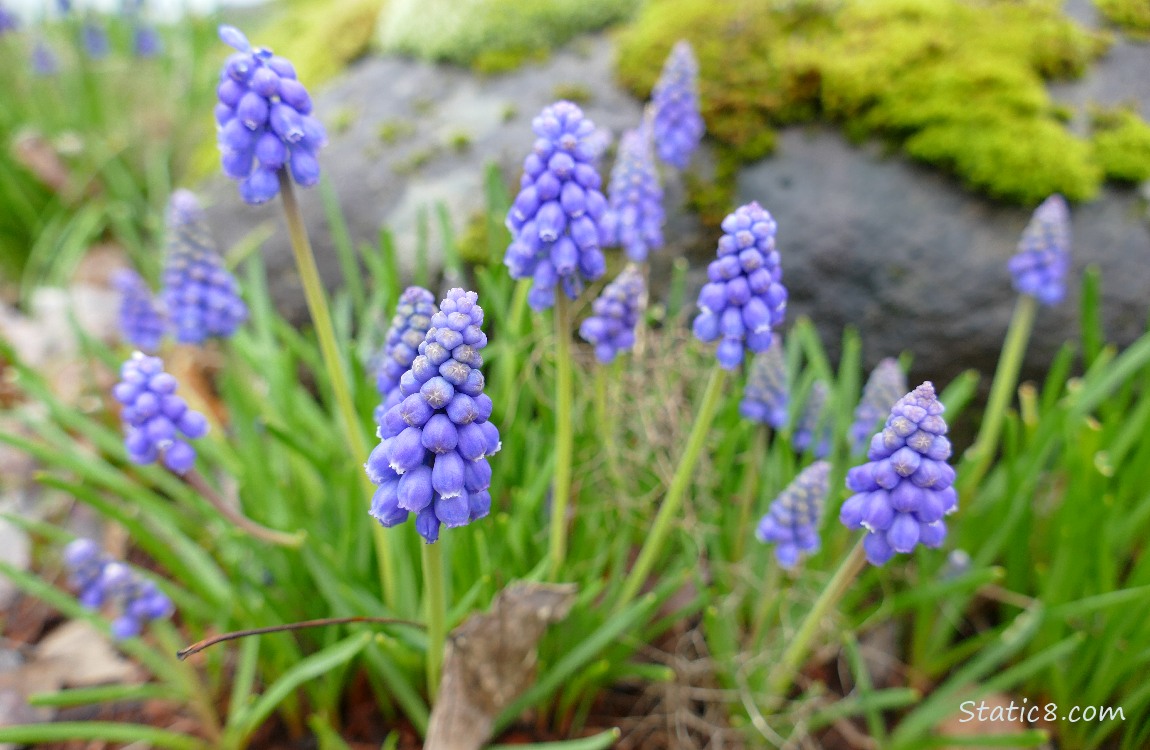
(408, 330)
(558, 220)
(887, 382)
(1043, 258)
(905, 489)
(678, 124)
(100, 580)
(146, 41)
(141, 317)
(636, 199)
(744, 297)
(792, 523)
(434, 444)
(201, 296)
(766, 397)
(614, 315)
(265, 122)
(95, 40)
(814, 430)
(9, 21)
(158, 422)
(44, 61)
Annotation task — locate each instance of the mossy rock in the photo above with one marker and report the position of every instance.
(957, 84)
(321, 38)
(492, 35)
(1131, 15)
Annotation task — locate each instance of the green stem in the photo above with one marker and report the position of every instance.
(564, 440)
(797, 649)
(677, 491)
(436, 615)
(749, 492)
(239, 520)
(771, 599)
(980, 454)
(336, 370)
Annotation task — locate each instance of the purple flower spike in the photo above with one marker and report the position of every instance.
(611, 327)
(903, 492)
(814, 431)
(884, 386)
(101, 580)
(146, 41)
(1043, 258)
(436, 439)
(9, 21)
(408, 330)
(559, 221)
(157, 422)
(766, 397)
(44, 60)
(95, 39)
(744, 297)
(141, 316)
(792, 523)
(678, 124)
(201, 296)
(636, 197)
(264, 120)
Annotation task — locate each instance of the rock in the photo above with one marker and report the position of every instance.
(916, 263)
(82, 657)
(405, 136)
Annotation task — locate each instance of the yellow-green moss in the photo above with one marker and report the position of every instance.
(1132, 15)
(957, 83)
(321, 38)
(1122, 144)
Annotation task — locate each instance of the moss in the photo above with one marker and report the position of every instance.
(392, 131)
(572, 92)
(1122, 144)
(493, 35)
(321, 38)
(459, 142)
(957, 84)
(1131, 15)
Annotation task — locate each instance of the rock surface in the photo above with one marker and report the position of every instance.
(897, 250)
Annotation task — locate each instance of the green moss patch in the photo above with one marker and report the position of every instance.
(1131, 15)
(492, 35)
(321, 38)
(1122, 144)
(959, 84)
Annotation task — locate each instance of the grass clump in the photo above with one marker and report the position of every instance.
(954, 84)
(1122, 144)
(492, 35)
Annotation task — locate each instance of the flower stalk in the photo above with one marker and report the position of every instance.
(432, 558)
(564, 439)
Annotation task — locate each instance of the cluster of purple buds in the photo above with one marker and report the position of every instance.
(558, 221)
(265, 122)
(886, 384)
(158, 422)
(636, 198)
(100, 580)
(201, 296)
(744, 297)
(434, 444)
(146, 41)
(141, 317)
(614, 315)
(44, 60)
(766, 397)
(814, 431)
(792, 523)
(905, 489)
(9, 21)
(408, 330)
(95, 39)
(678, 124)
(1043, 258)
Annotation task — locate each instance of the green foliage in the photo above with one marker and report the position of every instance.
(492, 35)
(1131, 15)
(1122, 144)
(956, 84)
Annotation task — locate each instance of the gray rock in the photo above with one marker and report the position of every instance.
(406, 135)
(916, 263)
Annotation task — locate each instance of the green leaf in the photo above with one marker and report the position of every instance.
(1029, 738)
(598, 742)
(103, 694)
(241, 727)
(107, 731)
